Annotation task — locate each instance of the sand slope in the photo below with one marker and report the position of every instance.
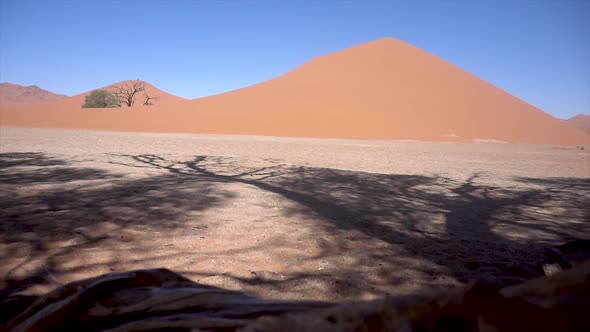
(581, 121)
(76, 102)
(384, 89)
(14, 93)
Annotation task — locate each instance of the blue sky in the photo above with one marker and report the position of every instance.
(536, 50)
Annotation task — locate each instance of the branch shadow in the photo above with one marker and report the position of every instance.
(407, 229)
(50, 209)
(376, 233)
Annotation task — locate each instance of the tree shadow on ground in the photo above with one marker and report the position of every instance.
(465, 230)
(50, 208)
(391, 230)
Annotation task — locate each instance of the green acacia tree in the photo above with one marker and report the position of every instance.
(100, 99)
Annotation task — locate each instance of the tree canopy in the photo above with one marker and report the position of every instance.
(100, 99)
(122, 94)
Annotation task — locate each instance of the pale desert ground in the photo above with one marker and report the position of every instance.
(285, 217)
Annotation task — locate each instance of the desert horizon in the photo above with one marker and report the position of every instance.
(427, 99)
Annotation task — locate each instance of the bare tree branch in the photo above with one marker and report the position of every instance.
(126, 92)
(149, 100)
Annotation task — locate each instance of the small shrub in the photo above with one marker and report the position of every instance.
(100, 99)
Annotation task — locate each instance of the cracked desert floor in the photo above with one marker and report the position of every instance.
(285, 217)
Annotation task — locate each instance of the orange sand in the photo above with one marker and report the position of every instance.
(581, 121)
(384, 89)
(13, 93)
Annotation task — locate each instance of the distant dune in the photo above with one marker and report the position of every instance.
(581, 121)
(384, 89)
(76, 102)
(14, 93)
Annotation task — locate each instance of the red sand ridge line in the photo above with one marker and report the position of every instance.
(581, 121)
(14, 93)
(384, 89)
(76, 102)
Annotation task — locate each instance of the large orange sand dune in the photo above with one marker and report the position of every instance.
(384, 89)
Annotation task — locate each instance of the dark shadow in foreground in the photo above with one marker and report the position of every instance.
(45, 200)
(471, 230)
(464, 230)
